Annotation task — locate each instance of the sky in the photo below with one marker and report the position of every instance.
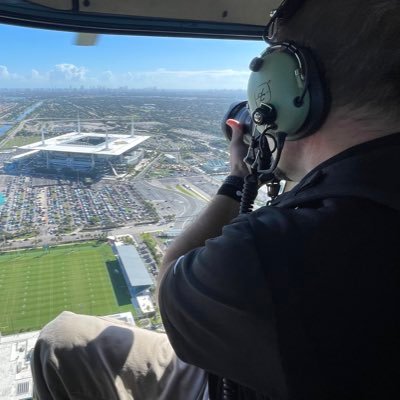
(35, 58)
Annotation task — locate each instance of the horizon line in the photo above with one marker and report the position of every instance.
(125, 89)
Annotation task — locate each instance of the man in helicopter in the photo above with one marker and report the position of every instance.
(298, 299)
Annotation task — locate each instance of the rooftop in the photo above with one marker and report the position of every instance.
(133, 265)
(15, 372)
(88, 143)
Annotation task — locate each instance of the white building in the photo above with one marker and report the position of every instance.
(79, 151)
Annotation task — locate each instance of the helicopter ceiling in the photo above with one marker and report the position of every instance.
(233, 19)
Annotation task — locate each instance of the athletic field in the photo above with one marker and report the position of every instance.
(36, 285)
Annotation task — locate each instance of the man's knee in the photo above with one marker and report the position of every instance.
(81, 354)
(69, 329)
(100, 358)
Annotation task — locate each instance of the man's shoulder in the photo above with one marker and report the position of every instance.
(366, 171)
(318, 227)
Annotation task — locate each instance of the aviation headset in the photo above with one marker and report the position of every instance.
(286, 91)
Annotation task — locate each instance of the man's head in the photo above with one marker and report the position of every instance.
(356, 43)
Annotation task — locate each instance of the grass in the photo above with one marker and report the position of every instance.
(192, 193)
(20, 141)
(35, 285)
(185, 191)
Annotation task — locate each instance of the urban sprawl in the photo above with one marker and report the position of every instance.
(98, 165)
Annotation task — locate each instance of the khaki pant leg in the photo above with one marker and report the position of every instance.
(85, 357)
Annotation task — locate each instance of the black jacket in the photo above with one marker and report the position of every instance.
(300, 300)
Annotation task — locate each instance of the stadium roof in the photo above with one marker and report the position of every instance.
(133, 265)
(111, 145)
(23, 155)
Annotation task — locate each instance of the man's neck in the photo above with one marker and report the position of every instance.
(336, 136)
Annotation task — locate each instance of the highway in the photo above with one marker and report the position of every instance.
(184, 207)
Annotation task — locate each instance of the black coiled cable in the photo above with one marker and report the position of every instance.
(228, 389)
(249, 193)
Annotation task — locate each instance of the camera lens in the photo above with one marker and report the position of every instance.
(240, 112)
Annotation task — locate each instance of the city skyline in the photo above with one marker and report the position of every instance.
(37, 58)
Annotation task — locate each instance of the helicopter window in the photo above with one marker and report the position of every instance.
(106, 153)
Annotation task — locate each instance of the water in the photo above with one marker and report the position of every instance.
(2, 199)
(5, 128)
(27, 111)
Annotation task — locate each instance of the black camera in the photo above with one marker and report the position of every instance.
(259, 155)
(263, 116)
(241, 113)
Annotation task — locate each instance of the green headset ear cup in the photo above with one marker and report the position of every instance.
(318, 94)
(276, 83)
(281, 81)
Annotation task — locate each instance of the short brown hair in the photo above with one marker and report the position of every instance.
(357, 42)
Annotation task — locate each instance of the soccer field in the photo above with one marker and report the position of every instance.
(36, 285)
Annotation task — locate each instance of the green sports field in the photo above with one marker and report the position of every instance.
(36, 285)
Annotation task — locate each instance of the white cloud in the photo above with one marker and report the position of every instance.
(4, 74)
(192, 79)
(37, 76)
(68, 72)
(107, 75)
(217, 73)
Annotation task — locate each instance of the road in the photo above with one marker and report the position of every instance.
(147, 167)
(184, 207)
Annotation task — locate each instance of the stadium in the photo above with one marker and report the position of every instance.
(79, 152)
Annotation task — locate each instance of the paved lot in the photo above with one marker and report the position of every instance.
(44, 210)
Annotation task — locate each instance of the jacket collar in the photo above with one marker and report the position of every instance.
(368, 170)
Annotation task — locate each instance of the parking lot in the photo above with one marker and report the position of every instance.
(45, 207)
(34, 207)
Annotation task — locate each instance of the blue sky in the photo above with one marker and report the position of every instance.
(38, 58)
